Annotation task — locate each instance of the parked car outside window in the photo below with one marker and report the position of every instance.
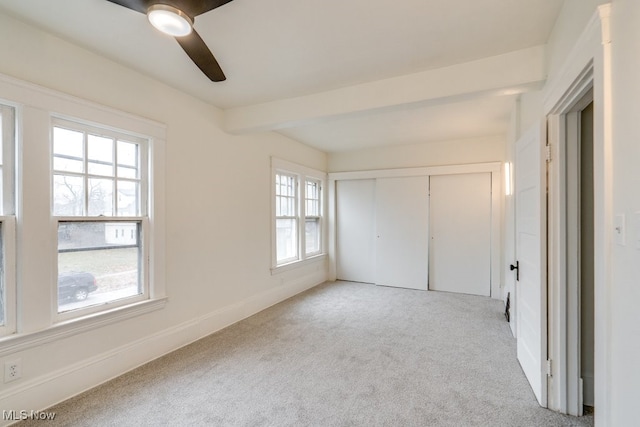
(75, 286)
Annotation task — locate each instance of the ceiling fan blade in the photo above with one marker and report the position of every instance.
(137, 5)
(200, 54)
(198, 7)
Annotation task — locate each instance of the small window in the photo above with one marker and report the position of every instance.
(3, 320)
(298, 213)
(99, 201)
(313, 211)
(286, 218)
(7, 220)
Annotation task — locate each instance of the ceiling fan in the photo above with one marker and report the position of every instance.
(175, 17)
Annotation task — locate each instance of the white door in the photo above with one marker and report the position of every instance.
(531, 286)
(355, 230)
(460, 226)
(402, 235)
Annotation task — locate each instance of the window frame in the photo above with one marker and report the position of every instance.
(301, 174)
(9, 117)
(144, 144)
(318, 217)
(34, 262)
(295, 217)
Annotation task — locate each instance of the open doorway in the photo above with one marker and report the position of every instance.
(584, 223)
(572, 293)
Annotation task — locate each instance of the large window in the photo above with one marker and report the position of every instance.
(298, 212)
(100, 182)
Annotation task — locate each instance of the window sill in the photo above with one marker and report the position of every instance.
(298, 264)
(19, 342)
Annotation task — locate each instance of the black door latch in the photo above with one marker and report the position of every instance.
(517, 269)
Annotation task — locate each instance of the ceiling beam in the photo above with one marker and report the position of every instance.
(506, 74)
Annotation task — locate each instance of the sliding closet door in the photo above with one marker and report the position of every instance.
(402, 235)
(355, 230)
(460, 224)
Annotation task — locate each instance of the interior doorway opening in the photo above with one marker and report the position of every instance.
(586, 257)
(572, 344)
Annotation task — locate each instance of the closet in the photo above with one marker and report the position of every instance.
(422, 231)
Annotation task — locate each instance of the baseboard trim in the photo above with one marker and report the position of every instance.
(54, 387)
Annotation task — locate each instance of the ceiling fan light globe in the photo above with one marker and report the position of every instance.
(170, 20)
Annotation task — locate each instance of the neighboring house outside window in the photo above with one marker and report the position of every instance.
(298, 213)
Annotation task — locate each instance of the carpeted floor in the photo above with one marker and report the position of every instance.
(341, 354)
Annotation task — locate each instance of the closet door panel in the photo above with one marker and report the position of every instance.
(355, 230)
(402, 235)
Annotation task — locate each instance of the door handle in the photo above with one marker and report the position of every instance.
(517, 269)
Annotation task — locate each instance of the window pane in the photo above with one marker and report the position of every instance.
(312, 235)
(68, 195)
(285, 195)
(3, 321)
(100, 197)
(286, 239)
(100, 155)
(312, 198)
(128, 198)
(128, 160)
(68, 150)
(1, 141)
(98, 263)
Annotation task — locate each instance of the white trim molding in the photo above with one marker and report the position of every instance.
(587, 67)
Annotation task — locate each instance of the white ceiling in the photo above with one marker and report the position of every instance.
(273, 50)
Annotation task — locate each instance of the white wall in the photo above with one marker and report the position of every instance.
(625, 274)
(217, 221)
(570, 23)
(622, 343)
(440, 153)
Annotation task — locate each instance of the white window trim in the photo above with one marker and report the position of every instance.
(302, 173)
(35, 106)
(319, 217)
(8, 224)
(8, 219)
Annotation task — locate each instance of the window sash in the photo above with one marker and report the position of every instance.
(66, 309)
(85, 179)
(313, 216)
(7, 160)
(8, 290)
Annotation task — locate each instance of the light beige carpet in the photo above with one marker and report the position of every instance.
(341, 354)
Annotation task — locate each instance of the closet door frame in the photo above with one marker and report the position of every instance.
(497, 197)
